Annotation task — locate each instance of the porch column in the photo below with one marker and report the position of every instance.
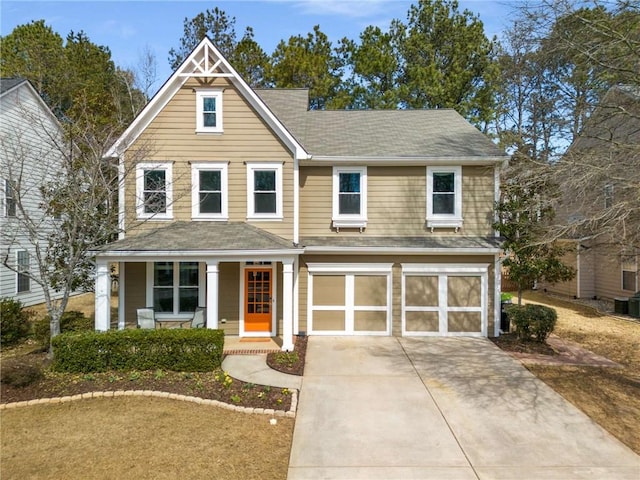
(212, 294)
(121, 305)
(287, 304)
(103, 296)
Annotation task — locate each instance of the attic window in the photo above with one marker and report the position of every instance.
(209, 111)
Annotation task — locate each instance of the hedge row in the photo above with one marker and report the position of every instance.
(188, 350)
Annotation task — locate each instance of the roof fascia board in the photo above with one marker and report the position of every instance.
(398, 161)
(402, 250)
(178, 79)
(196, 255)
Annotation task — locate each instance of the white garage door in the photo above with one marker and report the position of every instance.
(442, 300)
(349, 299)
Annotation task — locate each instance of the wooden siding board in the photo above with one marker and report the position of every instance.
(396, 202)
(171, 137)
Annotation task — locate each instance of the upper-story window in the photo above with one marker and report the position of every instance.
(9, 199)
(444, 197)
(264, 191)
(350, 197)
(23, 281)
(209, 111)
(209, 194)
(154, 195)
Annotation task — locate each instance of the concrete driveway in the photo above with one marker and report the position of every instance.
(440, 408)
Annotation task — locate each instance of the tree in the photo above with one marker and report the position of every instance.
(446, 61)
(524, 210)
(63, 189)
(250, 60)
(558, 61)
(214, 24)
(307, 62)
(145, 75)
(374, 70)
(76, 78)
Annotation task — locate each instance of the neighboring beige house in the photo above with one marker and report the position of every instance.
(280, 220)
(605, 268)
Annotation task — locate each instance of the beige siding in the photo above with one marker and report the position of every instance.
(608, 276)
(171, 137)
(568, 288)
(135, 289)
(229, 291)
(396, 202)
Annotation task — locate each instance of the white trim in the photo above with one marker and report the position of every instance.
(140, 169)
(201, 94)
(349, 220)
(372, 268)
(196, 168)
(350, 271)
(296, 202)
(402, 161)
(199, 255)
(496, 196)
(443, 272)
(497, 298)
(401, 250)
(252, 167)
(442, 220)
(121, 197)
(121, 296)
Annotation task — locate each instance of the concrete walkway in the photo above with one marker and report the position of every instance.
(440, 408)
(254, 369)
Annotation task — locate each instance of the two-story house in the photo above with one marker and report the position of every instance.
(606, 265)
(30, 157)
(281, 220)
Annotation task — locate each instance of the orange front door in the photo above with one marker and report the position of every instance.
(257, 303)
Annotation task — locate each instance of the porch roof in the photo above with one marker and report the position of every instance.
(448, 244)
(201, 237)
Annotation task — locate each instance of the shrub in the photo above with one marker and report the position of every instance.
(20, 373)
(72, 321)
(182, 350)
(533, 321)
(14, 321)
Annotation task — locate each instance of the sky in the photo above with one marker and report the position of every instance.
(130, 27)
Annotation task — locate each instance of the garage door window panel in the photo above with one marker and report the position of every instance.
(464, 291)
(464, 322)
(422, 321)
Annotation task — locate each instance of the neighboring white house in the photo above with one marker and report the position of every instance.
(31, 150)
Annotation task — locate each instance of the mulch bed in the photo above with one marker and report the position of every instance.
(511, 343)
(207, 385)
(292, 362)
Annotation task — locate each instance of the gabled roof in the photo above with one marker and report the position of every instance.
(205, 61)
(7, 84)
(423, 134)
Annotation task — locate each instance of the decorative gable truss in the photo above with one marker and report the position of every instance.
(204, 62)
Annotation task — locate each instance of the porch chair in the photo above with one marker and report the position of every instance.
(146, 318)
(198, 318)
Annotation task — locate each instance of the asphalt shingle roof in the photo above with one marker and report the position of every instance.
(377, 133)
(7, 84)
(198, 236)
(431, 242)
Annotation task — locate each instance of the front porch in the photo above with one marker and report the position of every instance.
(248, 290)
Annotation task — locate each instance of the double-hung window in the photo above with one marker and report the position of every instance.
(209, 191)
(264, 191)
(209, 111)
(154, 196)
(175, 287)
(23, 282)
(349, 197)
(9, 199)
(444, 197)
(629, 272)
